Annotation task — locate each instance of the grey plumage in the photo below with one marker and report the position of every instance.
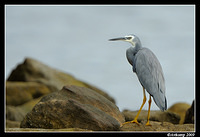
(150, 75)
(147, 68)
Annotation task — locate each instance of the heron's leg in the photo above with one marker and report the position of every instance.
(148, 124)
(136, 117)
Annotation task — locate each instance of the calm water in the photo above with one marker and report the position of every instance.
(74, 39)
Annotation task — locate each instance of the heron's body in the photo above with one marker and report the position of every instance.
(149, 72)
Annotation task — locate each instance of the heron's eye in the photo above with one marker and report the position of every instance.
(128, 38)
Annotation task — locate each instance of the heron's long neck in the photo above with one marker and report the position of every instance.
(130, 52)
(136, 46)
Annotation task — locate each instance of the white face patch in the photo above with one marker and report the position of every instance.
(129, 38)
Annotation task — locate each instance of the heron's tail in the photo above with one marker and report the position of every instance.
(160, 101)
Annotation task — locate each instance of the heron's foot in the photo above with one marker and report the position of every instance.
(148, 124)
(133, 121)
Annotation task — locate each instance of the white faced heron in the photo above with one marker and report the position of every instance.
(149, 72)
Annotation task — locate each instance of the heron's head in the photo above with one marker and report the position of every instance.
(129, 38)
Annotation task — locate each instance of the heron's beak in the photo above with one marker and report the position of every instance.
(115, 39)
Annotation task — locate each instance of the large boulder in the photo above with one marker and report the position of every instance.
(34, 71)
(74, 107)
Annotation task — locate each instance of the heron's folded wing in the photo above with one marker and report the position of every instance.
(150, 75)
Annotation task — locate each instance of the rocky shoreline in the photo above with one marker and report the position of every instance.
(41, 99)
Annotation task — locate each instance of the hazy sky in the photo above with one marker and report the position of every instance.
(74, 39)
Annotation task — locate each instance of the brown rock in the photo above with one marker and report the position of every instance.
(45, 130)
(34, 71)
(18, 93)
(180, 109)
(28, 106)
(165, 116)
(154, 116)
(157, 126)
(74, 107)
(189, 116)
(14, 113)
(12, 124)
